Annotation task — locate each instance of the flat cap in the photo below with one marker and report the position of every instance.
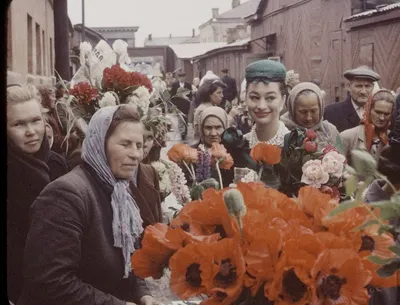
(225, 70)
(269, 69)
(181, 73)
(363, 72)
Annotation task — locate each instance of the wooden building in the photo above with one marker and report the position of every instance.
(320, 40)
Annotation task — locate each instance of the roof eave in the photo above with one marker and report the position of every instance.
(227, 48)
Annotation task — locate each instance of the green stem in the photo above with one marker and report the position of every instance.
(221, 186)
(189, 170)
(260, 172)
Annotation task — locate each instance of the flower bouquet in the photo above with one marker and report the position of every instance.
(201, 165)
(308, 161)
(254, 245)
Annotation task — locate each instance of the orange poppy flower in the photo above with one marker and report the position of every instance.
(261, 256)
(218, 151)
(191, 271)
(179, 238)
(316, 204)
(381, 282)
(332, 241)
(227, 163)
(292, 277)
(156, 251)
(340, 278)
(229, 270)
(182, 152)
(266, 153)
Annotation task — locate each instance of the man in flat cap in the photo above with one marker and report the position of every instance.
(348, 113)
(230, 92)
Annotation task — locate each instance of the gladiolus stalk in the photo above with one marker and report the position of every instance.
(190, 171)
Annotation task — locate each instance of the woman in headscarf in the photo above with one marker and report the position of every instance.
(372, 134)
(305, 111)
(86, 225)
(209, 94)
(265, 97)
(27, 173)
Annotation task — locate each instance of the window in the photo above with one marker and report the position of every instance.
(38, 50)
(51, 57)
(9, 40)
(30, 45)
(44, 53)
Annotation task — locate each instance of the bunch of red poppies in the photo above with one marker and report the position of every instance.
(84, 93)
(117, 79)
(254, 244)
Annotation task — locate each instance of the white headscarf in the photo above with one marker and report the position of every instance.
(127, 223)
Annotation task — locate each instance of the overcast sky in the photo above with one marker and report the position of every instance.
(156, 17)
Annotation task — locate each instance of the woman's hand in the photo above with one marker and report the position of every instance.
(149, 300)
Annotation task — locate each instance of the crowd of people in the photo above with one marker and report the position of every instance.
(81, 187)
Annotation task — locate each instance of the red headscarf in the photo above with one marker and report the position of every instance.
(370, 127)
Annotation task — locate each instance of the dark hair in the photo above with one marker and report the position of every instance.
(209, 87)
(282, 85)
(389, 169)
(124, 113)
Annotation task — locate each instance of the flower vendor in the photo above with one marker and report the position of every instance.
(27, 173)
(305, 111)
(86, 225)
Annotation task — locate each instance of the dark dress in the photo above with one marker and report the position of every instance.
(57, 165)
(70, 256)
(27, 175)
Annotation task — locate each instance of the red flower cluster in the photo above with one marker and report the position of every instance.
(84, 93)
(283, 249)
(117, 79)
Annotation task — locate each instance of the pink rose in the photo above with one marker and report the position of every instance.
(314, 174)
(311, 134)
(310, 147)
(333, 163)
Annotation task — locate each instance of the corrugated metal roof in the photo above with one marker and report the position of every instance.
(189, 51)
(378, 10)
(243, 10)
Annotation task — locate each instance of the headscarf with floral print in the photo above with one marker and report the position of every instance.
(369, 127)
(127, 223)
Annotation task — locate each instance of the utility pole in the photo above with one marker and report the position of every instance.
(83, 20)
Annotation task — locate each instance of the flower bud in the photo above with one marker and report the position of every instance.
(311, 134)
(310, 147)
(235, 203)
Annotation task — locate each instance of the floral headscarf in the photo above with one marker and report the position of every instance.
(127, 223)
(370, 127)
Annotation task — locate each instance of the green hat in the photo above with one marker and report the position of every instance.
(270, 70)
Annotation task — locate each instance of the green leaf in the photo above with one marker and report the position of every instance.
(351, 185)
(388, 209)
(389, 269)
(347, 205)
(366, 224)
(350, 170)
(211, 182)
(379, 260)
(364, 163)
(395, 249)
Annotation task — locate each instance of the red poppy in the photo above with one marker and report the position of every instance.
(191, 270)
(182, 153)
(310, 147)
(340, 278)
(229, 271)
(311, 134)
(266, 153)
(316, 204)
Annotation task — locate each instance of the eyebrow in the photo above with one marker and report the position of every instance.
(267, 93)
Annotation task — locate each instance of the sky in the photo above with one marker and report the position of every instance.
(157, 17)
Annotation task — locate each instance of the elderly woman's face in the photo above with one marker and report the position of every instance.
(306, 110)
(212, 130)
(217, 96)
(264, 102)
(25, 126)
(124, 149)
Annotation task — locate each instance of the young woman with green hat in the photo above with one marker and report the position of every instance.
(265, 97)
